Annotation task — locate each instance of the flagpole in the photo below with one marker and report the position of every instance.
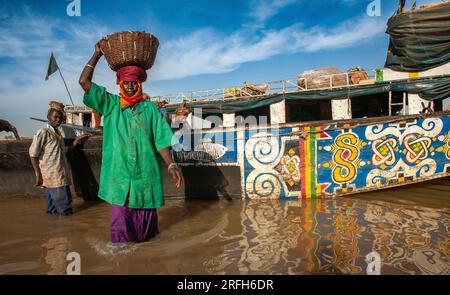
(65, 85)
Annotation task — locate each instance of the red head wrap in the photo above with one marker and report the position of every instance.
(131, 73)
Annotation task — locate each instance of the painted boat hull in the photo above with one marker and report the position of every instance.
(303, 160)
(335, 158)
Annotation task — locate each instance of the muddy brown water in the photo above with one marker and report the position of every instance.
(408, 227)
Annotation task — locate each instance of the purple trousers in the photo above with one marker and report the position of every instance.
(129, 225)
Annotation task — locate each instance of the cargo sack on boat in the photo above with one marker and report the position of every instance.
(357, 75)
(322, 78)
(232, 92)
(419, 38)
(250, 89)
(129, 48)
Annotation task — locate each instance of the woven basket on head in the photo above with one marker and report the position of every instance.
(129, 48)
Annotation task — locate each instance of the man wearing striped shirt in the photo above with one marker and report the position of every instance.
(47, 153)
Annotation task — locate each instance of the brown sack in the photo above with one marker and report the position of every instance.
(250, 89)
(357, 75)
(322, 78)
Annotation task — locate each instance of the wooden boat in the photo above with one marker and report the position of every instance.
(388, 130)
(336, 139)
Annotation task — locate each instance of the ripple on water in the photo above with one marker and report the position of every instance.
(18, 266)
(111, 250)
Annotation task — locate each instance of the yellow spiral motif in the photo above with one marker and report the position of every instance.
(345, 169)
(448, 147)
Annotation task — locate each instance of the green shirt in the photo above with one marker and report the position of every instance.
(131, 142)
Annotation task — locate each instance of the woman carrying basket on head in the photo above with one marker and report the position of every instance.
(135, 138)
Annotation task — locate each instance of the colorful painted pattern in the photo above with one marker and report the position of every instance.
(331, 160)
(382, 155)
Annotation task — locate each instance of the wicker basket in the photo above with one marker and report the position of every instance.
(129, 48)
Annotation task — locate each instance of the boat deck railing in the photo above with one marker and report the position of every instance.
(293, 85)
(298, 84)
(77, 109)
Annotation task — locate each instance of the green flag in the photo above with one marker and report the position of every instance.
(52, 66)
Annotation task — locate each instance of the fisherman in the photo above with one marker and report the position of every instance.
(135, 138)
(48, 157)
(58, 106)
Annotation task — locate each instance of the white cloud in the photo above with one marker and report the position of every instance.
(262, 10)
(207, 51)
(26, 53)
(348, 33)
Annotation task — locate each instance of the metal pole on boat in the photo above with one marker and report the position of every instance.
(70, 96)
(53, 67)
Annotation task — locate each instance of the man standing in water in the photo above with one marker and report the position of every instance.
(135, 138)
(48, 157)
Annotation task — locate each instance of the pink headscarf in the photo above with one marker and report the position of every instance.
(131, 73)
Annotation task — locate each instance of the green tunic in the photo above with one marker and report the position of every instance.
(131, 142)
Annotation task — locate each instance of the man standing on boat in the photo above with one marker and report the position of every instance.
(135, 138)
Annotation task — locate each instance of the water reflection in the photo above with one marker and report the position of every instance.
(270, 229)
(411, 234)
(56, 250)
(334, 236)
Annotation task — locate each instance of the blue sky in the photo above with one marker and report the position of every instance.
(204, 44)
